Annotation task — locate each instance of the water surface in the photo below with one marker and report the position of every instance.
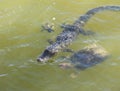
(21, 41)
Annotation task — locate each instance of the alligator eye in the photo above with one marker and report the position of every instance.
(48, 53)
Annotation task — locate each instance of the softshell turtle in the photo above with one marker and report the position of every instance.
(86, 57)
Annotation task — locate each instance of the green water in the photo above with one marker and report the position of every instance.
(21, 42)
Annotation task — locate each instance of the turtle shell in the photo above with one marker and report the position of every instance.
(89, 56)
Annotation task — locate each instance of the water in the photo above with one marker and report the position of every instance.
(21, 41)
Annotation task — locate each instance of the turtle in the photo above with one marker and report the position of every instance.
(87, 57)
(48, 27)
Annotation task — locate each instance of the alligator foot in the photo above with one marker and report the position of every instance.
(50, 41)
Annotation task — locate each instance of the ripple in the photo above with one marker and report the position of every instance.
(2, 75)
(24, 65)
(2, 52)
(117, 37)
(10, 65)
(90, 41)
(113, 64)
(82, 3)
(16, 37)
(118, 58)
(23, 45)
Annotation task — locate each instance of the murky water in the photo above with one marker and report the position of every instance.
(21, 41)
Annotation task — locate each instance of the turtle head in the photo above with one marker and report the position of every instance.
(45, 56)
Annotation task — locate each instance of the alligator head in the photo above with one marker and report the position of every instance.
(46, 55)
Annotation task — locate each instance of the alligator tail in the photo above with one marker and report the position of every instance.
(83, 19)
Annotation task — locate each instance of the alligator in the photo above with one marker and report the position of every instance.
(86, 57)
(70, 33)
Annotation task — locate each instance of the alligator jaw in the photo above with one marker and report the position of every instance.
(42, 60)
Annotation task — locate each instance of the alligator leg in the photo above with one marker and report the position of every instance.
(87, 32)
(50, 41)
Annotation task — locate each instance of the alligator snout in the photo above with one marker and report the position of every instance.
(42, 60)
(39, 60)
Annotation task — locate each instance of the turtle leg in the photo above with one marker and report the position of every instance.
(65, 65)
